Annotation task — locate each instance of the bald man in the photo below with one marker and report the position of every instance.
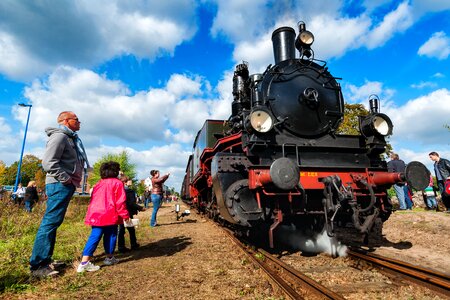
(64, 161)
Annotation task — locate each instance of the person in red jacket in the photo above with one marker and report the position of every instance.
(106, 210)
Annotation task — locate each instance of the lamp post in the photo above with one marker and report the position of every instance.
(23, 144)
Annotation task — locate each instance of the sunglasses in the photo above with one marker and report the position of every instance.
(76, 119)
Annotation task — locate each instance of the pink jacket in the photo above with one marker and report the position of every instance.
(107, 205)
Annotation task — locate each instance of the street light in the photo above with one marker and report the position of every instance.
(23, 144)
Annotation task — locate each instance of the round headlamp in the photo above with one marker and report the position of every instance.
(382, 125)
(306, 37)
(376, 124)
(261, 120)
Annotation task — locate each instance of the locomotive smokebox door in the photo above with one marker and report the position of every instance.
(285, 173)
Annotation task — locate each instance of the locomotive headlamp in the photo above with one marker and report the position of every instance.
(376, 124)
(261, 120)
(306, 37)
(304, 40)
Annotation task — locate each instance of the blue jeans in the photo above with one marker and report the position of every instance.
(29, 205)
(431, 202)
(400, 192)
(109, 234)
(408, 201)
(146, 201)
(59, 196)
(156, 200)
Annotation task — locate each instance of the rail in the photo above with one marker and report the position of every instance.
(301, 280)
(436, 281)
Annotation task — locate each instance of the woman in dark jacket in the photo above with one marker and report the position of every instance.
(31, 196)
(133, 209)
(157, 192)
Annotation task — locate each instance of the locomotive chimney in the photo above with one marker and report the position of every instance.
(283, 41)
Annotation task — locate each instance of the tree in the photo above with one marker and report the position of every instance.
(122, 158)
(2, 171)
(140, 188)
(40, 179)
(350, 125)
(30, 166)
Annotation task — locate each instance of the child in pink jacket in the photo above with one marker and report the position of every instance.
(106, 210)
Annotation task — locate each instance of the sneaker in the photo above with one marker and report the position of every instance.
(43, 272)
(109, 261)
(90, 267)
(135, 246)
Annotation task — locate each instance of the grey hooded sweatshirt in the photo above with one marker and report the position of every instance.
(60, 159)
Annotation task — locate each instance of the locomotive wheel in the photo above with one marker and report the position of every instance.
(241, 203)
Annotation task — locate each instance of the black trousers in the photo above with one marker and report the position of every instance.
(445, 197)
(121, 237)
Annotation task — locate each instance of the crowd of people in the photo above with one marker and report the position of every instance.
(442, 174)
(113, 203)
(111, 209)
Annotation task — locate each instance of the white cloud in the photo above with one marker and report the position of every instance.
(16, 61)
(235, 15)
(4, 127)
(438, 75)
(335, 36)
(396, 21)
(107, 109)
(111, 116)
(423, 84)
(421, 120)
(189, 114)
(438, 45)
(37, 37)
(361, 94)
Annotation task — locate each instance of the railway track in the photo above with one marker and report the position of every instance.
(433, 280)
(272, 267)
(329, 279)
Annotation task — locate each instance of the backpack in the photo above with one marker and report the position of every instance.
(447, 188)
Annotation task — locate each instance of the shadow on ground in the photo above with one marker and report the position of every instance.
(164, 247)
(179, 222)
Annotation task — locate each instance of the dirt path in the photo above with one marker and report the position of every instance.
(421, 238)
(193, 259)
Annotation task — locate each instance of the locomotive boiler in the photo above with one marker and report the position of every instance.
(278, 159)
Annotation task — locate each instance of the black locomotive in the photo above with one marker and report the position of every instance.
(278, 159)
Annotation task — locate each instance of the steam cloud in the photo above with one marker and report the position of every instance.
(318, 243)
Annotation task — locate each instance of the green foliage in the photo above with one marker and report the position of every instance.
(2, 171)
(140, 188)
(30, 166)
(122, 158)
(350, 125)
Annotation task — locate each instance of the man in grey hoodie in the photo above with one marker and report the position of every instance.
(64, 160)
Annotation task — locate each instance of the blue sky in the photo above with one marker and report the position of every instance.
(144, 75)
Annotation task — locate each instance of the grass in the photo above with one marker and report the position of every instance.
(17, 232)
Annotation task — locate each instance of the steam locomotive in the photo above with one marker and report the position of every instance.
(278, 159)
